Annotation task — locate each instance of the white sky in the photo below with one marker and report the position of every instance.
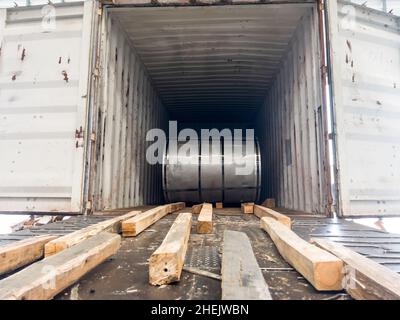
(10, 3)
(7, 220)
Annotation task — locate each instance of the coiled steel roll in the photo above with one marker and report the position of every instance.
(201, 181)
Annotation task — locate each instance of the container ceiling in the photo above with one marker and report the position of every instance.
(212, 63)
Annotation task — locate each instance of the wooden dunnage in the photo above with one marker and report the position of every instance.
(365, 279)
(242, 278)
(48, 277)
(321, 268)
(197, 208)
(219, 205)
(172, 207)
(261, 212)
(269, 203)
(134, 226)
(166, 263)
(71, 239)
(23, 252)
(247, 207)
(204, 221)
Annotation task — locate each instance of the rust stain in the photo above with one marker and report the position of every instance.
(349, 45)
(23, 55)
(79, 133)
(65, 74)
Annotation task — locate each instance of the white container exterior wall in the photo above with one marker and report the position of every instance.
(43, 88)
(365, 52)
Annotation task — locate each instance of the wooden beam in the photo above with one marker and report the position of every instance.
(48, 277)
(261, 212)
(197, 208)
(365, 279)
(204, 221)
(166, 263)
(134, 226)
(22, 253)
(172, 207)
(71, 239)
(269, 203)
(247, 207)
(321, 268)
(242, 278)
(219, 205)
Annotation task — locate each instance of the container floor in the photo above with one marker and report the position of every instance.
(125, 275)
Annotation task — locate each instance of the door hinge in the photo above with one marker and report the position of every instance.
(324, 70)
(93, 137)
(88, 208)
(321, 5)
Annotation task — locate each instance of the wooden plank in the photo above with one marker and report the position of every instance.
(269, 203)
(166, 263)
(197, 208)
(247, 207)
(71, 239)
(22, 253)
(261, 212)
(219, 205)
(321, 268)
(135, 225)
(204, 221)
(172, 207)
(48, 277)
(242, 278)
(365, 279)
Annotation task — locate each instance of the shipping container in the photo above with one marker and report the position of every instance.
(81, 84)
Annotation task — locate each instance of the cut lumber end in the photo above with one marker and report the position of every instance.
(242, 278)
(197, 208)
(23, 252)
(204, 221)
(61, 270)
(261, 212)
(321, 268)
(166, 263)
(365, 278)
(172, 207)
(219, 205)
(269, 203)
(247, 207)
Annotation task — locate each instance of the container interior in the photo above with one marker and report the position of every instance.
(229, 66)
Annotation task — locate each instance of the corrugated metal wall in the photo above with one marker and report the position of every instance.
(289, 126)
(129, 107)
